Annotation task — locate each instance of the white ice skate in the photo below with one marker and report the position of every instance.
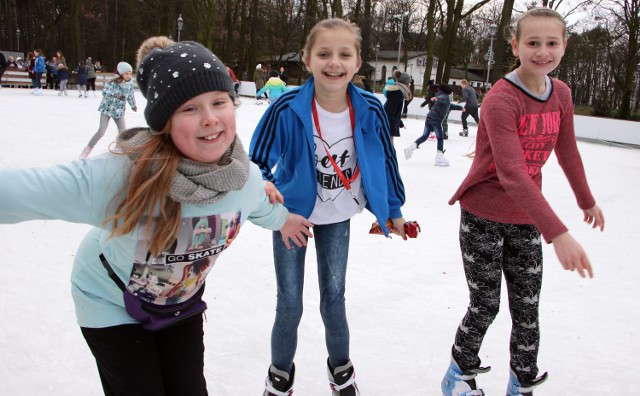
(441, 160)
(408, 151)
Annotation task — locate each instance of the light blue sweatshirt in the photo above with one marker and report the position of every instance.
(82, 191)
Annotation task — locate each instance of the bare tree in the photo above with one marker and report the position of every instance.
(454, 15)
(626, 15)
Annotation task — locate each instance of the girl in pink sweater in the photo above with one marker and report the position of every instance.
(504, 217)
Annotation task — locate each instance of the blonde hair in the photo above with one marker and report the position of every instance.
(331, 24)
(154, 165)
(541, 12)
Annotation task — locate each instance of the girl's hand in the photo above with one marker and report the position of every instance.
(273, 193)
(595, 217)
(399, 227)
(571, 255)
(296, 228)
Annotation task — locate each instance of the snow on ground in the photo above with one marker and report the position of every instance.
(405, 299)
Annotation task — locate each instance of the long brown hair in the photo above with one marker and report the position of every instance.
(146, 191)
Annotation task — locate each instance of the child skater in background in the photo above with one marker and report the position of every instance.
(115, 96)
(525, 116)
(435, 118)
(145, 200)
(331, 147)
(274, 85)
(63, 77)
(81, 79)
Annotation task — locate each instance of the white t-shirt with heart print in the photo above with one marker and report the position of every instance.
(333, 202)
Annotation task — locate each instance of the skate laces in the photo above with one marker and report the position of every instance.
(347, 384)
(273, 391)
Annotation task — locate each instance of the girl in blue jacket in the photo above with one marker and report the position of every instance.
(39, 69)
(330, 145)
(187, 174)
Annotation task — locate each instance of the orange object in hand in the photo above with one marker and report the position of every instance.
(411, 228)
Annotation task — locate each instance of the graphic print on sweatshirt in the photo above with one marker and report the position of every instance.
(538, 135)
(177, 274)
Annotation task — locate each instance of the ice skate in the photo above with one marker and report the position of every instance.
(278, 382)
(515, 388)
(465, 133)
(408, 151)
(342, 380)
(441, 160)
(461, 383)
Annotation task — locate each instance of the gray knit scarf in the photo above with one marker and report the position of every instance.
(199, 183)
(406, 92)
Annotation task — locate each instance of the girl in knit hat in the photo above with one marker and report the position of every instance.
(115, 96)
(160, 204)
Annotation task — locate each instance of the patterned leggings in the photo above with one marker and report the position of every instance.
(490, 249)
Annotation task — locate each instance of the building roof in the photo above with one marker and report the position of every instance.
(459, 74)
(394, 54)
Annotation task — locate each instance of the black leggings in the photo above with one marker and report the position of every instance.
(469, 111)
(133, 361)
(489, 250)
(91, 84)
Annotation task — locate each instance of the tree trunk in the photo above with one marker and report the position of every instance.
(501, 44)
(431, 39)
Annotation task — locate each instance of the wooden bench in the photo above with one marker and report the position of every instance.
(19, 78)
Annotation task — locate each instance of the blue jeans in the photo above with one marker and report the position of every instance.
(430, 126)
(332, 251)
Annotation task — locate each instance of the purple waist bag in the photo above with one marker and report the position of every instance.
(153, 316)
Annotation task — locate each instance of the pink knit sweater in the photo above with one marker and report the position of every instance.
(515, 138)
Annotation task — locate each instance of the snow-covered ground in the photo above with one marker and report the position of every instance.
(405, 299)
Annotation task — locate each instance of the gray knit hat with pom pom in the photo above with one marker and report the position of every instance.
(171, 73)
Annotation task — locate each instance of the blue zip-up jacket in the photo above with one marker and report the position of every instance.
(40, 66)
(284, 137)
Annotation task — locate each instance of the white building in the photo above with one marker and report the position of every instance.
(416, 67)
